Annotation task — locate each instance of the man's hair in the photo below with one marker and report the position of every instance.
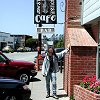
(54, 53)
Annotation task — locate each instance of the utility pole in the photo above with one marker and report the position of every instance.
(40, 34)
(39, 40)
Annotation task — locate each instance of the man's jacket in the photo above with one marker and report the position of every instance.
(46, 62)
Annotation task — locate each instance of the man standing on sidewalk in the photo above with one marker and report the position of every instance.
(50, 68)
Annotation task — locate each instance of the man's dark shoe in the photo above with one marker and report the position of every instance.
(55, 96)
(48, 95)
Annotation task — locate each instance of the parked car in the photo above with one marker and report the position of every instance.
(11, 89)
(21, 49)
(57, 50)
(28, 49)
(21, 70)
(7, 49)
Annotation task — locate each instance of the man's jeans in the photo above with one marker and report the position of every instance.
(51, 76)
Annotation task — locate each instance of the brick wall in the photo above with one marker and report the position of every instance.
(80, 62)
(73, 11)
(74, 8)
(65, 75)
(95, 30)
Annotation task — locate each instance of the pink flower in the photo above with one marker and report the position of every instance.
(93, 79)
(95, 91)
(86, 79)
(92, 84)
(97, 83)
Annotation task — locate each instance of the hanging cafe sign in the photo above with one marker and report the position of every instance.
(45, 12)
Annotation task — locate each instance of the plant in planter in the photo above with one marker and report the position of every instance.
(91, 84)
(89, 89)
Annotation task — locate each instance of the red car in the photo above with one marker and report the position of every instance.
(21, 70)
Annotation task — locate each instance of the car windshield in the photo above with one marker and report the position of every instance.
(2, 59)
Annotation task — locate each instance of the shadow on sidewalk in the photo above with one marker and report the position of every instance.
(34, 79)
(62, 95)
(61, 89)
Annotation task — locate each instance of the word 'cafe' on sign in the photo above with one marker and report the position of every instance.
(44, 18)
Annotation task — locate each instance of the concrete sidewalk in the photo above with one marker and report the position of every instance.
(38, 88)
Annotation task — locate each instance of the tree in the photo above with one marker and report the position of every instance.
(59, 41)
(32, 43)
(59, 44)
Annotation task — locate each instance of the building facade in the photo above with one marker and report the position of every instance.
(91, 22)
(81, 59)
(20, 40)
(6, 40)
(14, 41)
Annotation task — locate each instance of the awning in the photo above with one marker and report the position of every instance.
(80, 37)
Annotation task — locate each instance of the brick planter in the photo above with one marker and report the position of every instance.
(84, 94)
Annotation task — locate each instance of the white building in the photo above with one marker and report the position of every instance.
(6, 39)
(91, 22)
(90, 11)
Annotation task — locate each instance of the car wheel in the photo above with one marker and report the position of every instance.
(24, 77)
(10, 97)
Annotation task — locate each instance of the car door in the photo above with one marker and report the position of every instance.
(5, 68)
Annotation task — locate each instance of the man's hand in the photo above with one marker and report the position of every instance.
(68, 46)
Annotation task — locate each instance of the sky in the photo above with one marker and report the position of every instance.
(16, 17)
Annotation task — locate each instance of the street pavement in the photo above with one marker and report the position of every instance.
(38, 88)
(37, 84)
